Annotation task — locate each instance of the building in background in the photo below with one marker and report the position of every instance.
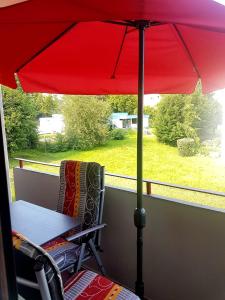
(53, 124)
(123, 120)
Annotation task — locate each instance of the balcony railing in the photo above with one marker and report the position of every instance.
(148, 183)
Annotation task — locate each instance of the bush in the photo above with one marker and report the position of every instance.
(169, 119)
(86, 121)
(57, 144)
(118, 134)
(187, 147)
(151, 112)
(210, 146)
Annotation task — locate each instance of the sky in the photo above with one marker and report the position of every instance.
(151, 99)
(220, 1)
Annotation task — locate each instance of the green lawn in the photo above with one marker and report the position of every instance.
(161, 162)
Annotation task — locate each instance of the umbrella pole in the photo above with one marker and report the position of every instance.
(8, 279)
(139, 213)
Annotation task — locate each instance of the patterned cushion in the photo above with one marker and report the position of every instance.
(80, 188)
(83, 285)
(37, 254)
(89, 285)
(62, 251)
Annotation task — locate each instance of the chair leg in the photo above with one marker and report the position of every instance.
(42, 282)
(79, 263)
(97, 257)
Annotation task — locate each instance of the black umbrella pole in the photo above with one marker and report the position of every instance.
(139, 214)
(8, 280)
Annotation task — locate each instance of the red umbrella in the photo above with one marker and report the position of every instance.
(96, 46)
(52, 51)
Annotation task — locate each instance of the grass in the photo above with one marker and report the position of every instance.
(161, 162)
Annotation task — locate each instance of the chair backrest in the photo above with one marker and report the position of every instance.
(39, 256)
(82, 191)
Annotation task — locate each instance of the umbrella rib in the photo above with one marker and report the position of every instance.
(187, 50)
(119, 54)
(46, 46)
(123, 23)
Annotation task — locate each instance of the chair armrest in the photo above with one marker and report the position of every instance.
(27, 283)
(85, 232)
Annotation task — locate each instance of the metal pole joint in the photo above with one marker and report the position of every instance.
(142, 24)
(140, 218)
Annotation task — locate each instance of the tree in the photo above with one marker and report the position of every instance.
(196, 116)
(123, 103)
(151, 112)
(86, 121)
(203, 113)
(169, 119)
(20, 119)
(47, 105)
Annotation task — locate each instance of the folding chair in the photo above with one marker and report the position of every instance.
(48, 283)
(81, 195)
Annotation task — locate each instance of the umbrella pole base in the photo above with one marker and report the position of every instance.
(139, 289)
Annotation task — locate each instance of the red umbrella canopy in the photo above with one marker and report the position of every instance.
(67, 46)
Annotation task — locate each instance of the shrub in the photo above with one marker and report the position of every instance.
(169, 119)
(151, 112)
(187, 147)
(118, 134)
(57, 144)
(209, 146)
(86, 121)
